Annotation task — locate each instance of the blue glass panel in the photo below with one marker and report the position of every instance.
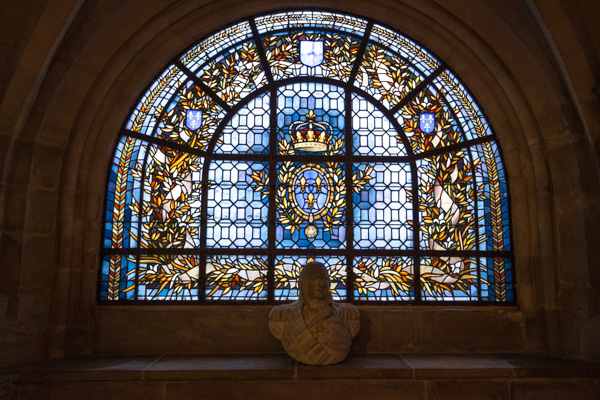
(460, 100)
(492, 198)
(248, 130)
(294, 103)
(447, 202)
(173, 124)
(236, 206)
(117, 281)
(214, 44)
(170, 201)
(235, 73)
(406, 48)
(386, 76)
(283, 54)
(445, 130)
(122, 211)
(498, 274)
(300, 19)
(310, 203)
(372, 132)
(382, 209)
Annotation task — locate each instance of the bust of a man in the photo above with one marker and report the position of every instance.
(315, 329)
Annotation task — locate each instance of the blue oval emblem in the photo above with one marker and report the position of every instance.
(311, 191)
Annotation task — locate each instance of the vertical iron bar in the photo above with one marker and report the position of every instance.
(349, 198)
(271, 229)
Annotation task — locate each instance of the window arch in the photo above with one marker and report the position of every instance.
(307, 135)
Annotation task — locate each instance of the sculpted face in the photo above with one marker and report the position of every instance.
(315, 285)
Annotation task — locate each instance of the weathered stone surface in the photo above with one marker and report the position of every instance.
(556, 389)
(477, 377)
(209, 330)
(182, 368)
(359, 366)
(467, 390)
(297, 390)
(457, 366)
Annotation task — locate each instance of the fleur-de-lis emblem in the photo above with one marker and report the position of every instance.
(427, 122)
(319, 184)
(310, 201)
(302, 184)
(193, 119)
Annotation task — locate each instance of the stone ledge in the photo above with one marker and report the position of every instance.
(423, 376)
(272, 367)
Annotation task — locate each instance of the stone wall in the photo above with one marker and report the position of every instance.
(75, 68)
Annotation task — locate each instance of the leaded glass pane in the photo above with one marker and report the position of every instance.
(447, 202)
(257, 145)
(234, 74)
(236, 211)
(382, 206)
(167, 277)
(409, 50)
(143, 119)
(175, 124)
(249, 129)
(170, 203)
(294, 105)
(236, 278)
(216, 43)
(386, 76)
(373, 133)
(449, 279)
(124, 183)
(497, 279)
(469, 116)
(117, 277)
(440, 130)
(492, 198)
(336, 60)
(300, 19)
(384, 278)
(310, 202)
(288, 268)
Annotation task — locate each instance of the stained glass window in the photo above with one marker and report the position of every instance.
(307, 136)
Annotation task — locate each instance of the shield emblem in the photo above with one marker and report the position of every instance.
(311, 191)
(311, 52)
(193, 119)
(427, 122)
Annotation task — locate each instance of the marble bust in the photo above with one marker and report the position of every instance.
(315, 329)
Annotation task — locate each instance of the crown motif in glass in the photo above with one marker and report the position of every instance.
(309, 135)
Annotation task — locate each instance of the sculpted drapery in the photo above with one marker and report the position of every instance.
(315, 329)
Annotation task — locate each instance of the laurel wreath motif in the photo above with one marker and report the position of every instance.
(288, 216)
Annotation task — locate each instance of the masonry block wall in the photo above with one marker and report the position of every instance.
(72, 70)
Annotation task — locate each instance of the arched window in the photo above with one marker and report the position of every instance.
(307, 135)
